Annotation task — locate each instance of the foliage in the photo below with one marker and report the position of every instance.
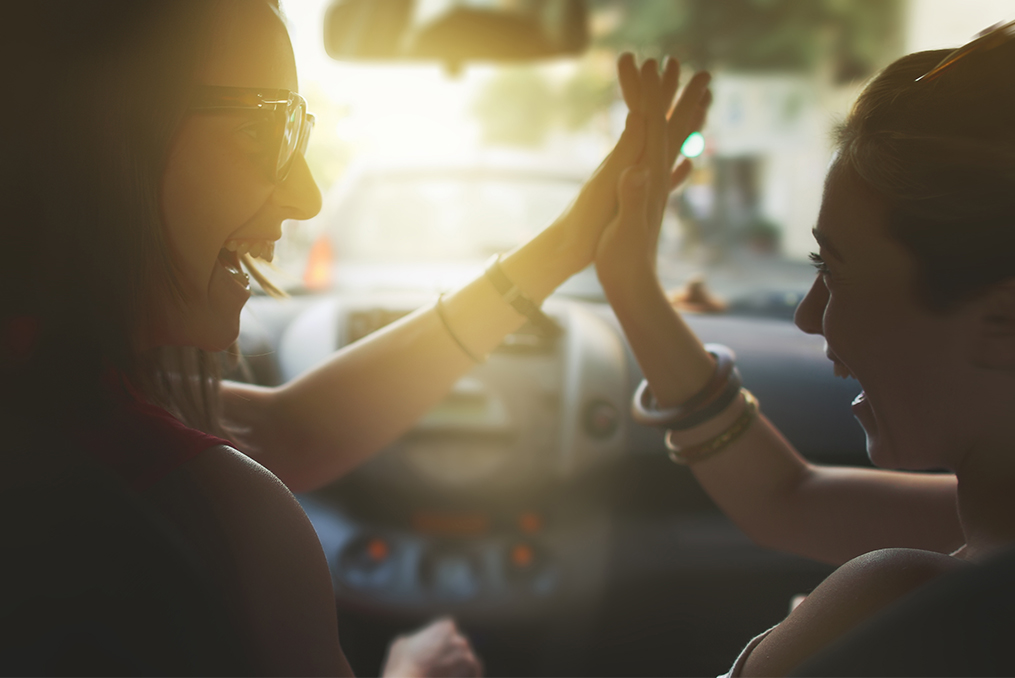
(516, 107)
(849, 39)
(856, 36)
(520, 105)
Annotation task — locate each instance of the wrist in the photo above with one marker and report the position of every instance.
(629, 284)
(542, 264)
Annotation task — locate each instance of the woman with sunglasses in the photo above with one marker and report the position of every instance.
(915, 297)
(156, 152)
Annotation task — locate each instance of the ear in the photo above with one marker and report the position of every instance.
(994, 345)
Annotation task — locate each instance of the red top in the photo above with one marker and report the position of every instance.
(140, 442)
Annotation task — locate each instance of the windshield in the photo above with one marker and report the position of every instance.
(423, 167)
(435, 217)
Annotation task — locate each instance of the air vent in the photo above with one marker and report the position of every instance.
(526, 340)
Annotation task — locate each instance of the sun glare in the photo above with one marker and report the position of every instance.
(396, 110)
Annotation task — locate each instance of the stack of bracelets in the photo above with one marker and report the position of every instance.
(687, 436)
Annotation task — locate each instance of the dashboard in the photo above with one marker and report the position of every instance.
(529, 494)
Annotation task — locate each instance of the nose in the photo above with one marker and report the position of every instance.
(299, 195)
(811, 311)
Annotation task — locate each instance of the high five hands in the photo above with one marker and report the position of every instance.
(653, 134)
(628, 243)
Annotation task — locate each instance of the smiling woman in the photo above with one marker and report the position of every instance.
(233, 176)
(915, 298)
(164, 147)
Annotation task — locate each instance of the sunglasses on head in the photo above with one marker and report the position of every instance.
(288, 110)
(990, 39)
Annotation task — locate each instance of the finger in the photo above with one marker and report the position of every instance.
(692, 101)
(633, 187)
(655, 123)
(670, 80)
(688, 113)
(680, 173)
(630, 81)
(628, 150)
(649, 83)
(474, 667)
(696, 120)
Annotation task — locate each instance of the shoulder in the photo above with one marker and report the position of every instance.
(849, 596)
(265, 555)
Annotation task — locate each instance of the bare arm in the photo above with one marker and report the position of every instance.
(762, 483)
(319, 426)
(327, 421)
(851, 595)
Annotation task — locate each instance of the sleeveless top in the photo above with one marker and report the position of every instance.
(140, 442)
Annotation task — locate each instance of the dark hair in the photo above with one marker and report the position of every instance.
(941, 154)
(104, 86)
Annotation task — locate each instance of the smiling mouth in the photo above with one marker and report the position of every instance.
(230, 261)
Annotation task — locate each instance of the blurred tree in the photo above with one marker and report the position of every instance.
(857, 36)
(590, 91)
(327, 154)
(516, 106)
(848, 39)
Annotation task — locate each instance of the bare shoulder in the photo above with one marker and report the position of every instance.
(849, 596)
(267, 558)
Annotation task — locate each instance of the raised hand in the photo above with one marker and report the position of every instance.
(596, 204)
(628, 243)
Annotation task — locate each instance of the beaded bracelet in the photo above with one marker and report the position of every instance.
(718, 393)
(687, 455)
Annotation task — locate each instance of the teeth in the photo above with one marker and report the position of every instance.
(258, 249)
(860, 398)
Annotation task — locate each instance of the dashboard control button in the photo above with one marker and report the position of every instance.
(367, 562)
(450, 574)
(601, 419)
(530, 522)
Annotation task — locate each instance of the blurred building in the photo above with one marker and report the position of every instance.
(771, 134)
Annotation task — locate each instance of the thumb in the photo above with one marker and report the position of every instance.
(632, 140)
(633, 192)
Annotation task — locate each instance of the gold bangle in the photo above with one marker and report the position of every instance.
(695, 453)
(439, 307)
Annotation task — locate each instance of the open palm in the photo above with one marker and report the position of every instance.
(629, 240)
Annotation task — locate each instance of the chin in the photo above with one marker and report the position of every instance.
(884, 454)
(221, 339)
(878, 455)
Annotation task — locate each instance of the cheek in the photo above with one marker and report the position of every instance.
(209, 190)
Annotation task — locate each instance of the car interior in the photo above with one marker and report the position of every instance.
(528, 504)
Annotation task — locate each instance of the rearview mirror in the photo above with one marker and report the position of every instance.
(455, 32)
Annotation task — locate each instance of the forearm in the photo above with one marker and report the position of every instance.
(831, 514)
(761, 482)
(327, 421)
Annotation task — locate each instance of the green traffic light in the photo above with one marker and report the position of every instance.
(693, 146)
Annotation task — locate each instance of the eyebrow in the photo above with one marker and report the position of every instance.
(825, 243)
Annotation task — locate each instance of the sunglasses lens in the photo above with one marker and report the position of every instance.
(295, 137)
(308, 127)
(290, 135)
